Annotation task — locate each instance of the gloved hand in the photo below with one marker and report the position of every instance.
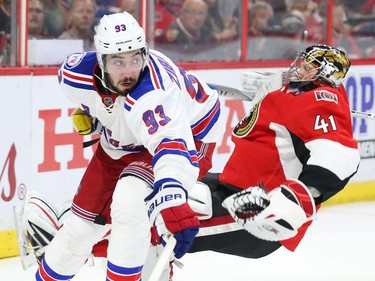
(170, 213)
(260, 84)
(272, 216)
(83, 123)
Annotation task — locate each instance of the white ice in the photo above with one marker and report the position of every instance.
(339, 246)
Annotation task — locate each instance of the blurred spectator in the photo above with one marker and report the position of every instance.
(82, 13)
(166, 12)
(259, 16)
(227, 10)
(189, 27)
(105, 7)
(280, 9)
(342, 37)
(5, 9)
(313, 21)
(187, 39)
(56, 16)
(364, 35)
(222, 28)
(293, 32)
(282, 42)
(368, 8)
(5, 29)
(36, 20)
(128, 6)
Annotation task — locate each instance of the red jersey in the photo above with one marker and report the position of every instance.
(292, 135)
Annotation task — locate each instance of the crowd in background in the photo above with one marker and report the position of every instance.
(196, 30)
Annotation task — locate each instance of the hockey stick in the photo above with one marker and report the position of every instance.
(233, 93)
(163, 259)
(246, 96)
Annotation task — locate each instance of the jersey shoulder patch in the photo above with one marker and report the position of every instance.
(324, 95)
(74, 59)
(247, 123)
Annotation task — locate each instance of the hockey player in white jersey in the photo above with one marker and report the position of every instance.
(158, 128)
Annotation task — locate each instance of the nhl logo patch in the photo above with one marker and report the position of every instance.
(247, 123)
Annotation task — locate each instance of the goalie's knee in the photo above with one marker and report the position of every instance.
(200, 200)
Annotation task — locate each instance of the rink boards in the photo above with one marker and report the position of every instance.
(40, 151)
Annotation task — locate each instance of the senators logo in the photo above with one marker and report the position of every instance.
(324, 95)
(247, 123)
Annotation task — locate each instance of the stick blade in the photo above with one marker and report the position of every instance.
(232, 93)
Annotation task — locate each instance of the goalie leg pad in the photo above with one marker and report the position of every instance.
(37, 222)
(200, 200)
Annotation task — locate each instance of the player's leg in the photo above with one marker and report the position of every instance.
(69, 249)
(130, 234)
(73, 243)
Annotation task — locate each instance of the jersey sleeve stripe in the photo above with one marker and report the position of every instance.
(155, 75)
(175, 147)
(203, 126)
(78, 81)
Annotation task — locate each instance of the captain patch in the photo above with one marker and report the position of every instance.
(325, 95)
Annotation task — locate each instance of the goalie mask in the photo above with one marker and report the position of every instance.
(320, 65)
(116, 35)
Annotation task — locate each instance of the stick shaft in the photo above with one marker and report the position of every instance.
(365, 115)
(163, 259)
(234, 93)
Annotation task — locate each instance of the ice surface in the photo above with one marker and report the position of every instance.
(339, 246)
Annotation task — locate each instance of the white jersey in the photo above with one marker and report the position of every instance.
(167, 110)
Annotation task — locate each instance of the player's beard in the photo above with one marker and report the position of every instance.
(119, 87)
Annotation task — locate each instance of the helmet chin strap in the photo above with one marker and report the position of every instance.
(103, 82)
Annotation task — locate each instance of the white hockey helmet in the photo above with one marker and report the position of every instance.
(119, 33)
(331, 65)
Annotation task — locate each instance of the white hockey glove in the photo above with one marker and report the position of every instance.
(272, 216)
(169, 211)
(260, 84)
(85, 124)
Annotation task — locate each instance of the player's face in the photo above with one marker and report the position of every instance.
(124, 70)
(306, 71)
